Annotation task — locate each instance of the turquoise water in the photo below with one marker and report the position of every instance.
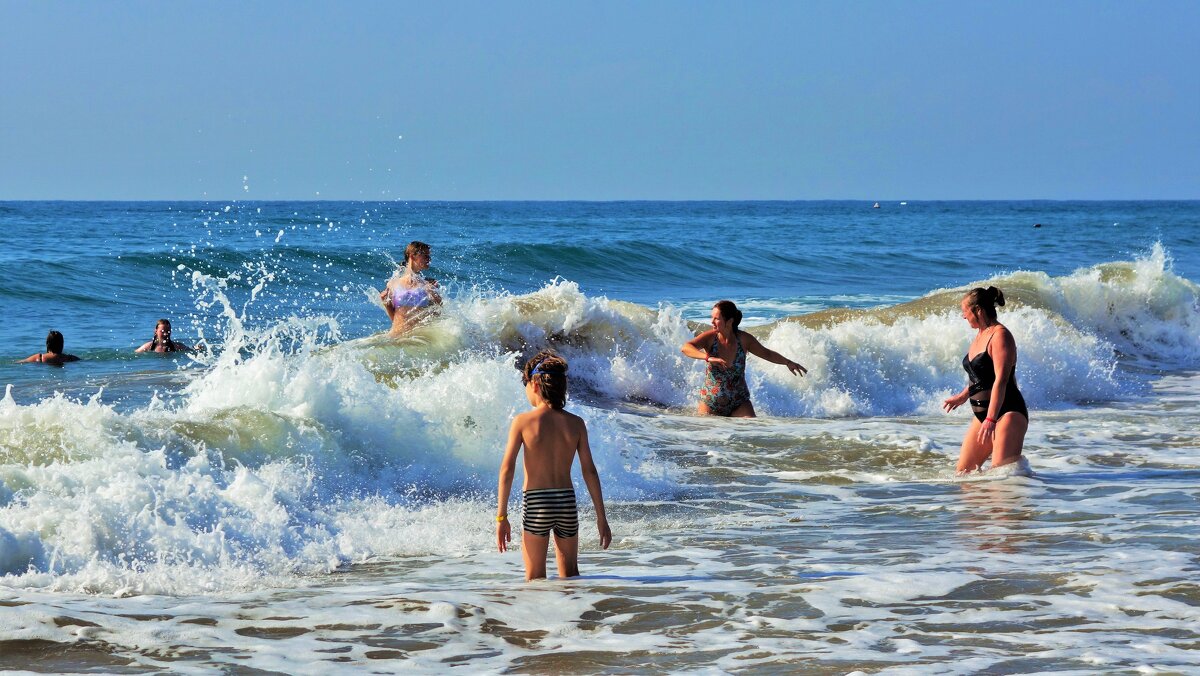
(311, 492)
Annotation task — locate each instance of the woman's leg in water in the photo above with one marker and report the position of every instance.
(1010, 438)
(972, 454)
(746, 410)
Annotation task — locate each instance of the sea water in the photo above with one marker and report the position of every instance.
(308, 494)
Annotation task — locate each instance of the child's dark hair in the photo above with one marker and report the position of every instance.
(986, 299)
(54, 342)
(549, 372)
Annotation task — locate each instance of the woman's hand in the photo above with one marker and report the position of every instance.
(951, 403)
(796, 368)
(716, 361)
(385, 297)
(987, 431)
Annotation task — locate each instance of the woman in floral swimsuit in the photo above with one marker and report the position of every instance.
(724, 350)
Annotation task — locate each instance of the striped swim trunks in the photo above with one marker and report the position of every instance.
(544, 509)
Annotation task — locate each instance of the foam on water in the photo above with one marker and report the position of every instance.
(332, 494)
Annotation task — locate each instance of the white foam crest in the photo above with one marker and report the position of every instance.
(617, 349)
(864, 367)
(99, 509)
(857, 367)
(1141, 306)
(285, 456)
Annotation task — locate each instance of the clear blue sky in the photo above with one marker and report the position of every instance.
(599, 100)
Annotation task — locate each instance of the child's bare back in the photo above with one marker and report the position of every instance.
(551, 438)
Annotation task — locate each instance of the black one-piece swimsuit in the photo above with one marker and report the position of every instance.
(982, 372)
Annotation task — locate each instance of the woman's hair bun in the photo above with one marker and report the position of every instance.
(997, 296)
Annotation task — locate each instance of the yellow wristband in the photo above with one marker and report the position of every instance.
(502, 517)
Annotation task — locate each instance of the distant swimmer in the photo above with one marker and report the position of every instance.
(551, 438)
(408, 295)
(723, 349)
(54, 354)
(1001, 418)
(161, 342)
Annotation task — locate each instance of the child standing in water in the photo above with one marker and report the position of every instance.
(551, 438)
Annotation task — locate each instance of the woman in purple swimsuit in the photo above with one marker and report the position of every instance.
(724, 349)
(408, 295)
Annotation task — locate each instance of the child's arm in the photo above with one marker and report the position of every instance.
(508, 467)
(592, 478)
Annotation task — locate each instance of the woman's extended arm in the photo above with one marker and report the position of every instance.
(951, 403)
(759, 350)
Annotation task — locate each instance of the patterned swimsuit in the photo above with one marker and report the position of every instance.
(725, 387)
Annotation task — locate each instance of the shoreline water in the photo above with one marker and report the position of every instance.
(311, 495)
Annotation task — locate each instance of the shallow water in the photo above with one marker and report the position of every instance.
(308, 496)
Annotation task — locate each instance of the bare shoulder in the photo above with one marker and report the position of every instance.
(1006, 336)
(747, 337)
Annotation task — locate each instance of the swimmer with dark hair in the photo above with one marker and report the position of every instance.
(161, 342)
(552, 438)
(1001, 417)
(723, 349)
(409, 295)
(53, 355)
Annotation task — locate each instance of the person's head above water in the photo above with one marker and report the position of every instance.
(728, 313)
(54, 342)
(162, 330)
(547, 372)
(980, 302)
(416, 255)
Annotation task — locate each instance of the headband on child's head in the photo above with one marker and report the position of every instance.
(537, 369)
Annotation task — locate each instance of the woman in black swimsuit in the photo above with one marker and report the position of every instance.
(54, 354)
(1001, 418)
(161, 342)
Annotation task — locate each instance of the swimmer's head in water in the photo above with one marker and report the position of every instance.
(548, 372)
(985, 300)
(415, 249)
(54, 342)
(165, 326)
(729, 312)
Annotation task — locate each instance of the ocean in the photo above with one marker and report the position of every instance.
(309, 495)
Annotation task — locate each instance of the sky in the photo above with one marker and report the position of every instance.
(599, 100)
